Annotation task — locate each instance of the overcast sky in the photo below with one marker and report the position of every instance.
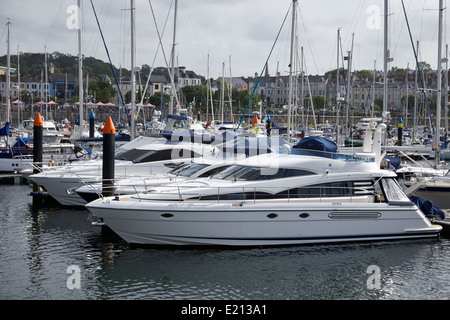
(240, 31)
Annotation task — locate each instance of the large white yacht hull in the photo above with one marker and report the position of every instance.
(14, 164)
(255, 224)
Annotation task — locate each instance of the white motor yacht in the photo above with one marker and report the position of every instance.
(273, 199)
(222, 156)
(205, 166)
(156, 157)
(50, 132)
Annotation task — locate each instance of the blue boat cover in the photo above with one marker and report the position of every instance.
(427, 207)
(317, 143)
(394, 162)
(315, 146)
(20, 143)
(4, 131)
(176, 117)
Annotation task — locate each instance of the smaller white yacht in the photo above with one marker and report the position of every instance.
(50, 132)
(205, 166)
(214, 158)
(155, 158)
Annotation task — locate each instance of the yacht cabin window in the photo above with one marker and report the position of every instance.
(141, 156)
(322, 190)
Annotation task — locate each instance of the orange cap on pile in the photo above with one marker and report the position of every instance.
(38, 121)
(109, 127)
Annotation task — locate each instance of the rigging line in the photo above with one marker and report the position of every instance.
(121, 36)
(432, 41)
(126, 36)
(107, 52)
(54, 23)
(192, 31)
(281, 51)
(2, 35)
(309, 43)
(106, 7)
(154, 60)
(421, 22)
(418, 67)
(172, 81)
(356, 16)
(310, 99)
(399, 33)
(262, 72)
(343, 66)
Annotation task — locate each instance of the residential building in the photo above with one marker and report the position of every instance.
(62, 86)
(185, 77)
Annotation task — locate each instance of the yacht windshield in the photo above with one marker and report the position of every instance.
(179, 168)
(244, 173)
(227, 172)
(188, 169)
(130, 155)
(166, 155)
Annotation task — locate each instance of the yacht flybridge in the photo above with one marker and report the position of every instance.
(273, 199)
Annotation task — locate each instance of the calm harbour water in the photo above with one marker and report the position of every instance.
(39, 245)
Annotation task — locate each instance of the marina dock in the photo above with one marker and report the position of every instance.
(12, 178)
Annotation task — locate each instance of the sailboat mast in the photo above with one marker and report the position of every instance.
(349, 86)
(223, 90)
(173, 90)
(291, 65)
(18, 85)
(207, 89)
(437, 135)
(8, 76)
(65, 90)
(446, 93)
(385, 62)
(407, 95)
(80, 64)
(337, 88)
(302, 87)
(373, 87)
(46, 83)
(209, 95)
(415, 99)
(230, 94)
(133, 71)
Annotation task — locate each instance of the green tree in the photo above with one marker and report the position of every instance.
(378, 104)
(156, 99)
(195, 93)
(368, 74)
(423, 65)
(320, 102)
